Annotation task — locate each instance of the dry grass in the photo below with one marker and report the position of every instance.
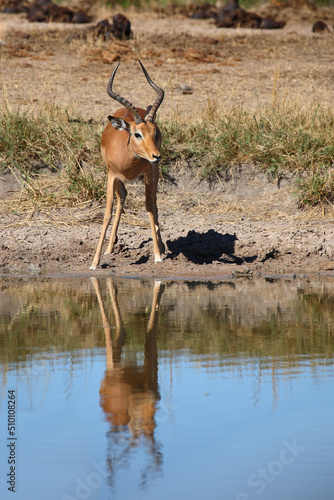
(54, 158)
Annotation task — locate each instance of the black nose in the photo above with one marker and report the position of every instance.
(157, 158)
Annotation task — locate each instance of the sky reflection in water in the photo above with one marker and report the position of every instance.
(173, 390)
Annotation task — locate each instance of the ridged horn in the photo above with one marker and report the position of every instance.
(151, 110)
(130, 107)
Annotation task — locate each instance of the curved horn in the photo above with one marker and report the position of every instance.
(130, 107)
(154, 108)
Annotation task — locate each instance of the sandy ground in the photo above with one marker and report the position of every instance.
(244, 224)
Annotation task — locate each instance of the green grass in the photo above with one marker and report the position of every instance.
(281, 137)
(276, 139)
(52, 137)
(51, 141)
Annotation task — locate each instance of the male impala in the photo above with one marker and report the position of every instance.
(130, 147)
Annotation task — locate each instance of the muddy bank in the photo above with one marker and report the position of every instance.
(245, 224)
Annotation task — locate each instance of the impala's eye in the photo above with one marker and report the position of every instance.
(138, 136)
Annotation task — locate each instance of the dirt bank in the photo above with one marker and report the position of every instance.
(248, 224)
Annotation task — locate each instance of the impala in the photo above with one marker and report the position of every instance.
(130, 146)
(129, 392)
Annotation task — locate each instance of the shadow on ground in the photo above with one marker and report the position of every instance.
(206, 248)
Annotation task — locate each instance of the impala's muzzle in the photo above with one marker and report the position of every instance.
(156, 159)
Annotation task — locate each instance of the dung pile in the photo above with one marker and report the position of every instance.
(47, 11)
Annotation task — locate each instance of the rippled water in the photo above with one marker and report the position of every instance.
(129, 389)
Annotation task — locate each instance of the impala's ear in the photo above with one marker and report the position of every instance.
(119, 123)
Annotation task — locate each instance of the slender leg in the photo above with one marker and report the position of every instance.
(151, 351)
(157, 292)
(151, 185)
(106, 325)
(120, 332)
(106, 219)
(121, 193)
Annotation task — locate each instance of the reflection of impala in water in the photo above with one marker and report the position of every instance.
(129, 393)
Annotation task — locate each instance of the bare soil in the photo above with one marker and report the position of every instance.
(244, 224)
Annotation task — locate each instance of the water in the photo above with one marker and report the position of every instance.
(129, 389)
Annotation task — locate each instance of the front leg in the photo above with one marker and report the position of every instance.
(120, 195)
(151, 185)
(106, 219)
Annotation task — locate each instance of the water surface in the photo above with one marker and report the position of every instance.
(129, 389)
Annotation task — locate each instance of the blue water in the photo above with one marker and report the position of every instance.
(231, 420)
